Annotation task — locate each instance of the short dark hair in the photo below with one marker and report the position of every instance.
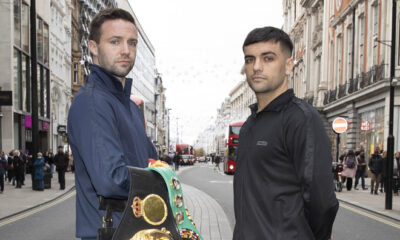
(266, 34)
(105, 15)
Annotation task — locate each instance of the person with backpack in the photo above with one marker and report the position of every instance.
(376, 167)
(349, 168)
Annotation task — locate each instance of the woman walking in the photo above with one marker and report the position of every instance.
(349, 168)
(38, 172)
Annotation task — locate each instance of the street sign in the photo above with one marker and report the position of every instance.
(340, 125)
(365, 126)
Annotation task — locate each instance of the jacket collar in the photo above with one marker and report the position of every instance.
(276, 105)
(108, 81)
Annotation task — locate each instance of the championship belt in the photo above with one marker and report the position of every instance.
(155, 208)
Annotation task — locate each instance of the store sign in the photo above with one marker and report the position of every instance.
(62, 129)
(5, 98)
(45, 125)
(28, 121)
(365, 126)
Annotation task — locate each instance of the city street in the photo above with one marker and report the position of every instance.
(57, 219)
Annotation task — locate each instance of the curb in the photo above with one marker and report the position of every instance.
(369, 209)
(39, 205)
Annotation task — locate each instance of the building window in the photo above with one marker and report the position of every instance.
(17, 79)
(25, 28)
(361, 44)
(46, 44)
(17, 23)
(375, 20)
(25, 72)
(339, 59)
(75, 73)
(349, 51)
(39, 39)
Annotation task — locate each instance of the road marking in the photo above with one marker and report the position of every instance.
(38, 209)
(215, 181)
(370, 216)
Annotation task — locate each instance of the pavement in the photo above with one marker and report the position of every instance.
(370, 202)
(207, 214)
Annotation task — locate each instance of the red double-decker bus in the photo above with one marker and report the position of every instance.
(232, 143)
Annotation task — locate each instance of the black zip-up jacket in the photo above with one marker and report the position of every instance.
(283, 182)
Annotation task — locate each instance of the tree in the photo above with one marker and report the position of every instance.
(199, 152)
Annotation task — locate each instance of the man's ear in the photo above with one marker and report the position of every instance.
(93, 48)
(289, 65)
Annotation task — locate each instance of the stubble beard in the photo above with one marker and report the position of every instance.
(119, 72)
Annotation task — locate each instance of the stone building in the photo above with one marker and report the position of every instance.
(15, 59)
(342, 65)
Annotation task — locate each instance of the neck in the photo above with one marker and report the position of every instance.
(122, 80)
(263, 99)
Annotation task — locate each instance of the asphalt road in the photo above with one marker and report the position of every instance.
(351, 223)
(58, 221)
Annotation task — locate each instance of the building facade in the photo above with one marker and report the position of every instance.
(342, 65)
(16, 123)
(241, 97)
(61, 69)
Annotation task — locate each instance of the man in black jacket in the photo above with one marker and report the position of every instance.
(61, 161)
(283, 181)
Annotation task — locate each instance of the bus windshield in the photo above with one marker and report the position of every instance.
(235, 130)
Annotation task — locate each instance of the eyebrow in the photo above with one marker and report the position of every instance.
(262, 54)
(119, 37)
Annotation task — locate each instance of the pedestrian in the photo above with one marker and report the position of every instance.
(106, 129)
(10, 168)
(396, 173)
(18, 168)
(361, 170)
(349, 168)
(217, 161)
(38, 172)
(51, 161)
(375, 166)
(283, 180)
(3, 168)
(61, 161)
(383, 175)
(176, 160)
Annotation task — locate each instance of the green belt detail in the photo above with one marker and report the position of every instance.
(168, 174)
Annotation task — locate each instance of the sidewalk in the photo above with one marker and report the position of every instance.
(207, 214)
(22, 199)
(373, 203)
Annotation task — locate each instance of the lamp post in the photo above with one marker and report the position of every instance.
(34, 85)
(390, 140)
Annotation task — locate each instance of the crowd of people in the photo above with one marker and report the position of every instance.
(16, 164)
(355, 165)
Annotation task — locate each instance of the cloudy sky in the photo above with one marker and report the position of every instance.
(198, 52)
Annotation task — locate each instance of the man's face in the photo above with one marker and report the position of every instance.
(266, 67)
(116, 50)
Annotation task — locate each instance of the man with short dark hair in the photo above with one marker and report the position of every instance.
(105, 128)
(61, 162)
(283, 180)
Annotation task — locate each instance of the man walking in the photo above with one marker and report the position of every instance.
(61, 162)
(283, 181)
(105, 128)
(376, 167)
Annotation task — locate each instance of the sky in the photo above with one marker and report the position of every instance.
(198, 50)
